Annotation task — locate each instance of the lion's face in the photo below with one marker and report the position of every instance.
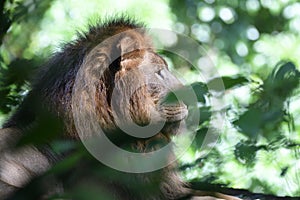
(141, 85)
(128, 90)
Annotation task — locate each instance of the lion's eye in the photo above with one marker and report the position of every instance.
(160, 74)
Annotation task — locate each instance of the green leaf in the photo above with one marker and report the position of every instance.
(200, 136)
(186, 93)
(245, 152)
(205, 114)
(250, 123)
(170, 98)
(226, 82)
(67, 163)
(200, 90)
(46, 128)
(284, 71)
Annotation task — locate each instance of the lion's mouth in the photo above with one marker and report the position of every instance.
(173, 112)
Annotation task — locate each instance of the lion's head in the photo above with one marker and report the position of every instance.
(125, 82)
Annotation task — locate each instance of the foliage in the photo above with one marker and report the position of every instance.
(242, 35)
(15, 67)
(255, 46)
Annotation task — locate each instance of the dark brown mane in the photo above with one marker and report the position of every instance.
(55, 79)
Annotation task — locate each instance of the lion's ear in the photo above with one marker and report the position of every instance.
(133, 40)
(130, 46)
(127, 44)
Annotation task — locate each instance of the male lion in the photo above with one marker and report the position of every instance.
(113, 77)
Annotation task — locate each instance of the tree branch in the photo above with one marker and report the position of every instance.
(241, 193)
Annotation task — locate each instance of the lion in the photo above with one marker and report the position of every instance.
(113, 77)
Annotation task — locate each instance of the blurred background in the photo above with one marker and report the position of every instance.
(254, 44)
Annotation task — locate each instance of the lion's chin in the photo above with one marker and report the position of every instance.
(173, 128)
